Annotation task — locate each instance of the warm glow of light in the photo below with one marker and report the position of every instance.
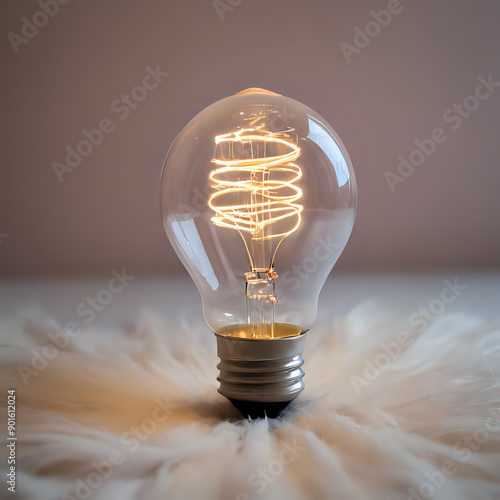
(269, 182)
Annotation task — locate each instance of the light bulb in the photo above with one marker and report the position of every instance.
(258, 198)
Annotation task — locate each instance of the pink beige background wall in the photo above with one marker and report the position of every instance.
(386, 75)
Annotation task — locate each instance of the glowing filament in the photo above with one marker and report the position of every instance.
(269, 182)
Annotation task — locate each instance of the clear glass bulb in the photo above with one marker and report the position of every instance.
(258, 198)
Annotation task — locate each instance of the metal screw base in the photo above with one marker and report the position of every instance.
(260, 376)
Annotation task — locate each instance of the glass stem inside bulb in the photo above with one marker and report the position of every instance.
(260, 213)
(260, 306)
(259, 288)
(256, 194)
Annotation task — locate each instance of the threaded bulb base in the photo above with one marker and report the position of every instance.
(260, 376)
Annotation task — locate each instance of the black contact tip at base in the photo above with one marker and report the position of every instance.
(254, 409)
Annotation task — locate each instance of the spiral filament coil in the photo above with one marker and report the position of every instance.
(256, 194)
(267, 181)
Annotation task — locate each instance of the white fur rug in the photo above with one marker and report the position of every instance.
(134, 414)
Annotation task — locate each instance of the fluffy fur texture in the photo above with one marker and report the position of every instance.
(145, 398)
